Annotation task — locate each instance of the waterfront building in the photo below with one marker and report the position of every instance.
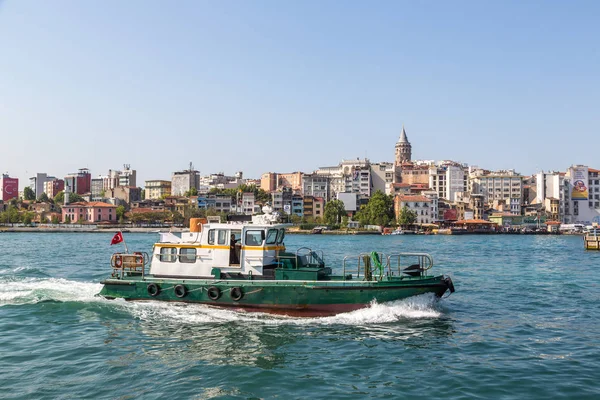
(92, 212)
(9, 187)
(183, 181)
(382, 177)
(80, 182)
(313, 207)
(506, 219)
(38, 183)
(551, 194)
(499, 185)
(53, 187)
(582, 188)
(316, 185)
(420, 204)
(447, 180)
(349, 176)
(157, 189)
(297, 205)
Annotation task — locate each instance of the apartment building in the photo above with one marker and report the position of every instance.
(92, 212)
(157, 189)
(582, 191)
(183, 181)
(504, 185)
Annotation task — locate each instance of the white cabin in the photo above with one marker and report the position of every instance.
(233, 248)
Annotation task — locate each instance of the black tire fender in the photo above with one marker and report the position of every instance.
(153, 289)
(236, 293)
(180, 291)
(214, 293)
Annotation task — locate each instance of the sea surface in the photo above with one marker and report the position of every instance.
(523, 324)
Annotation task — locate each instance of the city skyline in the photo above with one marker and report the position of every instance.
(264, 86)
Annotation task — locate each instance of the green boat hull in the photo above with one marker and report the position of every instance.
(298, 298)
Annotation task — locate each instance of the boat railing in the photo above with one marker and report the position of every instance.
(304, 256)
(125, 264)
(417, 264)
(365, 266)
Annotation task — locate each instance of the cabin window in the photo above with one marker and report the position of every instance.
(272, 236)
(254, 238)
(187, 255)
(211, 236)
(281, 235)
(222, 239)
(168, 254)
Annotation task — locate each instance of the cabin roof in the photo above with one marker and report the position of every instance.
(223, 225)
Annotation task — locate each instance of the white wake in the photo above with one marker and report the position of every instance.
(35, 290)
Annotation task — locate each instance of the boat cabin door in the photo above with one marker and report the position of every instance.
(235, 247)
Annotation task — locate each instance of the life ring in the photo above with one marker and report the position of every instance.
(214, 293)
(139, 258)
(153, 289)
(236, 293)
(180, 291)
(118, 261)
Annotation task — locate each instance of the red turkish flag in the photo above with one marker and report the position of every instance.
(118, 238)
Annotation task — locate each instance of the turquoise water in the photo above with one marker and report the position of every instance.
(524, 323)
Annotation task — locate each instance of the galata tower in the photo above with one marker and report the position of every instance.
(403, 149)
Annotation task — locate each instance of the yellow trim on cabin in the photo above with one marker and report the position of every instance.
(217, 247)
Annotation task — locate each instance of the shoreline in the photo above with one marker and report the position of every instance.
(18, 229)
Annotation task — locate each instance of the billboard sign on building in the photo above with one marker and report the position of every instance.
(10, 188)
(451, 214)
(579, 181)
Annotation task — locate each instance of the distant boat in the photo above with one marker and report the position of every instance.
(397, 232)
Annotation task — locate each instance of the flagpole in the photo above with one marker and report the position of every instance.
(124, 244)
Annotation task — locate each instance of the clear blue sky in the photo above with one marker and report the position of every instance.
(291, 86)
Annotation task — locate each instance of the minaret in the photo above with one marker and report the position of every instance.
(403, 149)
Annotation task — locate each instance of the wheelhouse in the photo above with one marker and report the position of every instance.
(218, 248)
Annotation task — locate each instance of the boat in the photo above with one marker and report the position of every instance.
(591, 240)
(397, 232)
(247, 266)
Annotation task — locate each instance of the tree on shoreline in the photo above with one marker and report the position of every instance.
(334, 211)
(378, 211)
(407, 217)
